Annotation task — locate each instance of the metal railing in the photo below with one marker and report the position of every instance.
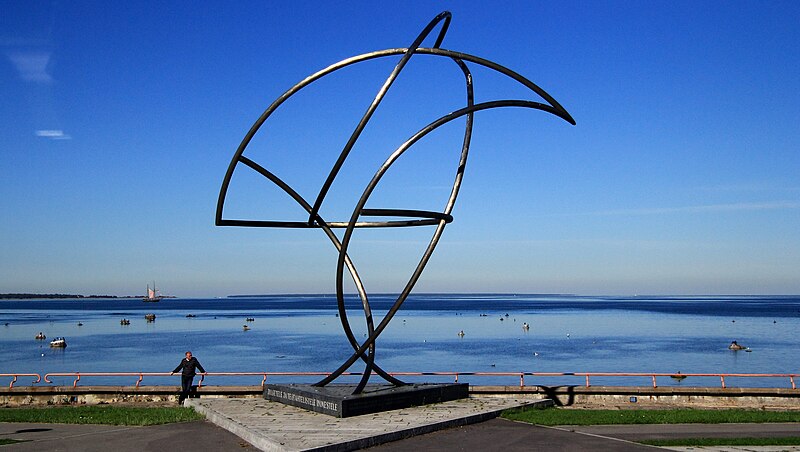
(587, 375)
(454, 375)
(14, 378)
(78, 375)
(141, 375)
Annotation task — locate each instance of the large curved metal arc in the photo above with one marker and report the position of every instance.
(369, 359)
(278, 102)
(419, 135)
(274, 106)
(559, 110)
(313, 215)
(426, 256)
(446, 16)
(348, 262)
(554, 108)
(462, 160)
(401, 150)
(370, 341)
(431, 220)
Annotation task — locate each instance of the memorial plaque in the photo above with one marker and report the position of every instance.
(338, 399)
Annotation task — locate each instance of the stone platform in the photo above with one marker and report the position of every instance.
(338, 399)
(273, 426)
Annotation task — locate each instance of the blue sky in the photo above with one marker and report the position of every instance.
(681, 176)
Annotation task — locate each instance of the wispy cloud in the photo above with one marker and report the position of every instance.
(32, 66)
(53, 134)
(734, 207)
(749, 187)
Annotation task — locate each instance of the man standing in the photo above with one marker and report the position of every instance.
(187, 368)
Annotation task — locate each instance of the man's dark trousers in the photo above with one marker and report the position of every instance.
(186, 387)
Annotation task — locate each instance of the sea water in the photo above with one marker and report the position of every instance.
(303, 333)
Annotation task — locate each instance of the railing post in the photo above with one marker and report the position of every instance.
(264, 381)
(722, 379)
(11, 385)
(456, 377)
(654, 381)
(521, 380)
(791, 378)
(587, 380)
(200, 383)
(75, 383)
(139, 380)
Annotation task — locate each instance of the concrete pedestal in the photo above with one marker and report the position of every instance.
(338, 400)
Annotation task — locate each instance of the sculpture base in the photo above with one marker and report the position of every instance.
(338, 399)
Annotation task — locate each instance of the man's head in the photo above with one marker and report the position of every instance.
(188, 355)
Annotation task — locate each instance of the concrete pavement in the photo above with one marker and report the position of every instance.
(508, 436)
(263, 425)
(667, 431)
(197, 436)
(467, 424)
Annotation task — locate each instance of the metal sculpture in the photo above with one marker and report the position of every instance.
(365, 350)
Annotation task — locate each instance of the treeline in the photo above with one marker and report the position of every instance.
(24, 296)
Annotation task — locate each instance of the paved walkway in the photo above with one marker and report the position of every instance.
(508, 436)
(672, 431)
(275, 427)
(467, 424)
(195, 436)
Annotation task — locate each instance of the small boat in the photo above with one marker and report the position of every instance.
(250, 319)
(735, 346)
(678, 376)
(189, 316)
(40, 336)
(124, 322)
(59, 342)
(152, 294)
(525, 326)
(461, 333)
(80, 323)
(245, 327)
(150, 317)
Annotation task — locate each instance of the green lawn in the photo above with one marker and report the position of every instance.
(560, 416)
(708, 442)
(111, 415)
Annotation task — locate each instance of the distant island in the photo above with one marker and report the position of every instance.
(27, 296)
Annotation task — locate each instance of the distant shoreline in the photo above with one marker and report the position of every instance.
(28, 296)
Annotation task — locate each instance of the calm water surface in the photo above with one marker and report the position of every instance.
(302, 333)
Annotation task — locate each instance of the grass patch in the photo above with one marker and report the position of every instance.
(785, 441)
(110, 415)
(560, 416)
(4, 441)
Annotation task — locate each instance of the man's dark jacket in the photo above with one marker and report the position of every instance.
(187, 367)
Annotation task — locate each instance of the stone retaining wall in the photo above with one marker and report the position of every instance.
(94, 395)
(649, 397)
(566, 396)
